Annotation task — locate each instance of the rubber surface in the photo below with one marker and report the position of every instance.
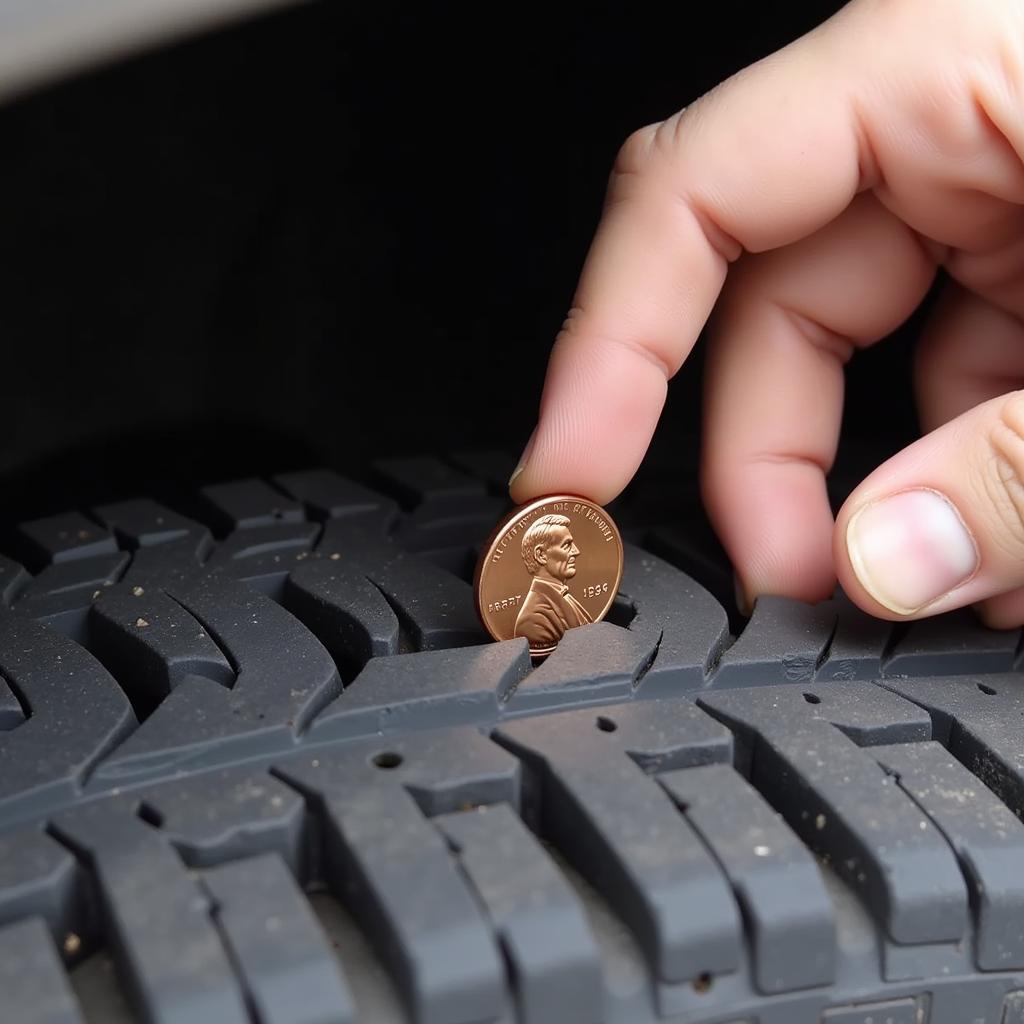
(259, 762)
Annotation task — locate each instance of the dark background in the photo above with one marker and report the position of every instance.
(330, 236)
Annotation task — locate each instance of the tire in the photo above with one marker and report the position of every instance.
(283, 776)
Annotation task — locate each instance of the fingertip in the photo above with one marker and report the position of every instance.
(522, 463)
(600, 407)
(744, 602)
(553, 467)
(806, 579)
(774, 522)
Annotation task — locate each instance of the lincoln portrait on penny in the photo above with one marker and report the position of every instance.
(549, 554)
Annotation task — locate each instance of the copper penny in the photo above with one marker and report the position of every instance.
(550, 565)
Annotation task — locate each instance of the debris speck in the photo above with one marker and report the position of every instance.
(335, 555)
(72, 943)
(922, 825)
(96, 593)
(141, 622)
(819, 822)
(315, 762)
(138, 591)
(762, 851)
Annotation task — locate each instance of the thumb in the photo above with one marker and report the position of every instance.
(941, 524)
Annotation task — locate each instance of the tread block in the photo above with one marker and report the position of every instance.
(1013, 1008)
(327, 495)
(175, 563)
(11, 713)
(539, 919)
(229, 814)
(284, 538)
(776, 880)
(690, 626)
(493, 467)
(435, 608)
(13, 579)
(694, 549)
(459, 561)
(151, 643)
(62, 594)
(978, 718)
(892, 1011)
(65, 578)
(987, 837)
(950, 644)
(265, 564)
(463, 525)
(284, 677)
(158, 921)
(461, 686)
(421, 480)
(77, 713)
(266, 573)
(243, 504)
(591, 663)
(868, 721)
(284, 674)
(143, 523)
(169, 548)
(34, 984)
(393, 871)
(858, 644)
(282, 955)
(622, 832)
(39, 878)
(356, 544)
(64, 537)
(841, 803)
(345, 611)
(784, 641)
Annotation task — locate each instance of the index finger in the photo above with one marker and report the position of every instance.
(765, 159)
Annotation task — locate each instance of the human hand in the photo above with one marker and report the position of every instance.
(831, 181)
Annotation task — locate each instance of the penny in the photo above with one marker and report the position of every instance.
(550, 565)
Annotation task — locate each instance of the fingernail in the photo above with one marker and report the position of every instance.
(524, 458)
(910, 549)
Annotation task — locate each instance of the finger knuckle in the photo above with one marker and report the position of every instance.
(1004, 470)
